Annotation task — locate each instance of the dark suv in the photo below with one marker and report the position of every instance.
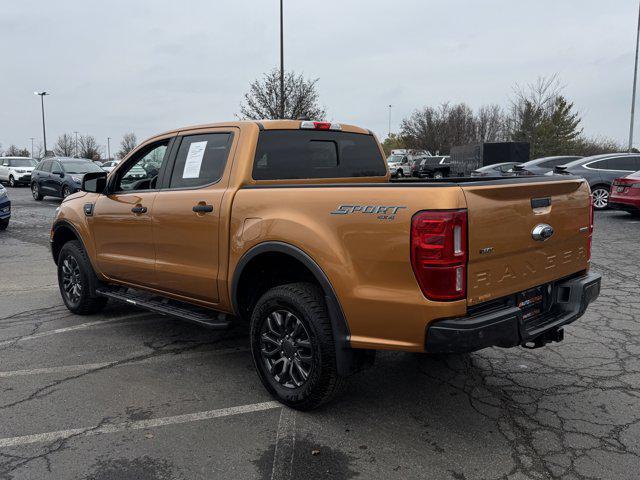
(60, 176)
(600, 171)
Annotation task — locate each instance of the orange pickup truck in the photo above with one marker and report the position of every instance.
(295, 227)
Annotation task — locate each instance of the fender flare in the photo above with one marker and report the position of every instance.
(347, 360)
(70, 226)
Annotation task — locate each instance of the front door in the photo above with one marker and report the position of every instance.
(121, 220)
(186, 216)
(53, 182)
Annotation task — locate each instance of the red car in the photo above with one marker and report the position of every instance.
(625, 194)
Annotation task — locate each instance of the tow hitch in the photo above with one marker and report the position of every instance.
(554, 335)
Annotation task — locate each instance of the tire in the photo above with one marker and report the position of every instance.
(400, 173)
(297, 309)
(4, 224)
(66, 191)
(438, 174)
(77, 280)
(12, 182)
(600, 196)
(35, 191)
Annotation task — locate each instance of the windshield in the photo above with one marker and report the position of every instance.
(394, 159)
(27, 162)
(81, 167)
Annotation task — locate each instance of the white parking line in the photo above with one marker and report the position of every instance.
(282, 467)
(138, 425)
(121, 363)
(73, 328)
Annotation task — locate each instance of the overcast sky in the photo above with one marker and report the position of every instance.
(146, 66)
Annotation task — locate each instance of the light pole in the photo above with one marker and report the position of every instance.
(108, 148)
(635, 79)
(390, 120)
(281, 61)
(75, 147)
(44, 131)
(32, 138)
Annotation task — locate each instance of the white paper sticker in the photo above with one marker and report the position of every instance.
(194, 160)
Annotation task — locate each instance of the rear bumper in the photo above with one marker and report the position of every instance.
(505, 327)
(628, 205)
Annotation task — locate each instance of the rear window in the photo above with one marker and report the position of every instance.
(299, 154)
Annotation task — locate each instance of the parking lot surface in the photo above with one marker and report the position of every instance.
(128, 394)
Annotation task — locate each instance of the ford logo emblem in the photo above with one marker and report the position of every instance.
(542, 232)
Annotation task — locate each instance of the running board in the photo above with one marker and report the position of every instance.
(165, 306)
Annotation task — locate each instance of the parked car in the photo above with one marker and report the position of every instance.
(495, 170)
(60, 176)
(248, 222)
(540, 166)
(435, 167)
(399, 165)
(625, 194)
(110, 165)
(600, 171)
(5, 208)
(16, 170)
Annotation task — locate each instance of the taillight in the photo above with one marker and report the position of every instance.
(590, 228)
(439, 253)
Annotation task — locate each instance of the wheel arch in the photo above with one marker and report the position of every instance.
(63, 231)
(347, 358)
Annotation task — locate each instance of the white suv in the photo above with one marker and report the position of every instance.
(16, 170)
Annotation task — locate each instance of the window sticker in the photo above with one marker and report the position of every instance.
(193, 163)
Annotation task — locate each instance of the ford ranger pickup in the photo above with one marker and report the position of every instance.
(296, 228)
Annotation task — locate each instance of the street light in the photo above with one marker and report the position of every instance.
(32, 138)
(635, 79)
(281, 62)
(44, 131)
(390, 120)
(108, 148)
(75, 148)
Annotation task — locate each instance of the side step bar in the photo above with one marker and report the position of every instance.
(173, 308)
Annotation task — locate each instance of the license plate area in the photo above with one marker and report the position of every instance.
(531, 302)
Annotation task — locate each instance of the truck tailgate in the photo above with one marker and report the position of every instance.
(504, 257)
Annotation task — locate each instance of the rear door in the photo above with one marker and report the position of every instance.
(504, 257)
(186, 214)
(4, 170)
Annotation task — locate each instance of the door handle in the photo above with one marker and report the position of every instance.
(203, 208)
(139, 209)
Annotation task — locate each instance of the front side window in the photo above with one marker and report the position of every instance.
(142, 173)
(45, 166)
(56, 168)
(200, 160)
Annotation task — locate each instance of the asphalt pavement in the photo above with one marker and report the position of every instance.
(127, 394)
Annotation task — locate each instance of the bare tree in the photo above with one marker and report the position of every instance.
(89, 148)
(262, 101)
(14, 151)
(490, 124)
(65, 145)
(128, 143)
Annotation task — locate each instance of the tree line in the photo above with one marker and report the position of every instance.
(68, 145)
(538, 113)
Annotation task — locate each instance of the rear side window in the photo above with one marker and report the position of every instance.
(623, 163)
(200, 160)
(300, 154)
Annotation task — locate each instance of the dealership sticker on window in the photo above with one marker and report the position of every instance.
(194, 160)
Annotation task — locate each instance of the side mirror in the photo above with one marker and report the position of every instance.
(94, 182)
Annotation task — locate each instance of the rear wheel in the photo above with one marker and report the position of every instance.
(66, 191)
(12, 181)
(77, 280)
(400, 173)
(438, 174)
(35, 191)
(600, 196)
(293, 347)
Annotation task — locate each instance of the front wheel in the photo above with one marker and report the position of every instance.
(399, 173)
(4, 223)
(35, 191)
(77, 280)
(438, 174)
(600, 195)
(12, 181)
(66, 191)
(293, 347)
